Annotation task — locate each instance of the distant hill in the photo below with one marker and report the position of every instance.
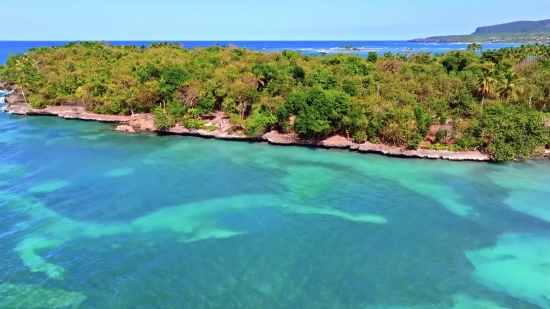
(540, 26)
(514, 32)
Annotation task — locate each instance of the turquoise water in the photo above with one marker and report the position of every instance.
(90, 218)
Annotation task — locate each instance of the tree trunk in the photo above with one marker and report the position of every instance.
(221, 121)
(482, 100)
(24, 97)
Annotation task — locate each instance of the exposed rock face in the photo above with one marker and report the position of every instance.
(448, 126)
(180, 130)
(125, 128)
(145, 122)
(341, 142)
(421, 153)
(16, 105)
(337, 142)
(6, 86)
(142, 122)
(277, 138)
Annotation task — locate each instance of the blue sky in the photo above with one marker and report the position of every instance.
(258, 20)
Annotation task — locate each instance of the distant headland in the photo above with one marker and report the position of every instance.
(513, 32)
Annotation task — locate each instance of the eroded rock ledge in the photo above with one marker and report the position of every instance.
(144, 122)
(368, 147)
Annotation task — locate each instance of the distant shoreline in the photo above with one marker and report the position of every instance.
(474, 40)
(526, 32)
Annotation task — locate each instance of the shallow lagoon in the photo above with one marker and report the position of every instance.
(141, 221)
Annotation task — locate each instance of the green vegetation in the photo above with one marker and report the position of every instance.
(515, 32)
(497, 100)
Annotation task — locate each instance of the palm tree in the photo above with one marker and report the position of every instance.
(20, 67)
(509, 88)
(474, 47)
(487, 85)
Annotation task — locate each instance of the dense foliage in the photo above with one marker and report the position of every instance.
(496, 100)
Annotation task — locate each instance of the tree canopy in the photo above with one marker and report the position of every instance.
(497, 99)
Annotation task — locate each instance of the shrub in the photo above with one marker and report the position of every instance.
(455, 148)
(466, 142)
(175, 109)
(258, 122)
(372, 57)
(350, 87)
(206, 105)
(318, 112)
(442, 117)
(211, 128)
(298, 73)
(360, 137)
(192, 123)
(414, 142)
(399, 127)
(440, 135)
(508, 133)
(162, 120)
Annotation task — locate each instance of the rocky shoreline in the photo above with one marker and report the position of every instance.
(144, 122)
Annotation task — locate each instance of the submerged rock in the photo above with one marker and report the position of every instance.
(125, 128)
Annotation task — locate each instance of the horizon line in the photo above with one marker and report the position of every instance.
(214, 40)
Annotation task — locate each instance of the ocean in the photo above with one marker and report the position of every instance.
(90, 218)
(8, 48)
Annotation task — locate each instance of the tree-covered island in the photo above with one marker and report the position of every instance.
(494, 101)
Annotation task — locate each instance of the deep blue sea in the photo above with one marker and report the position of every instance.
(306, 47)
(90, 218)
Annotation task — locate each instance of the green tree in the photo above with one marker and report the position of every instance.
(372, 57)
(509, 89)
(473, 47)
(487, 85)
(507, 132)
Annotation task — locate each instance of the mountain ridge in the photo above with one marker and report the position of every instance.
(511, 32)
(515, 27)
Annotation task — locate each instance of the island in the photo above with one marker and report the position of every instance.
(462, 105)
(513, 32)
